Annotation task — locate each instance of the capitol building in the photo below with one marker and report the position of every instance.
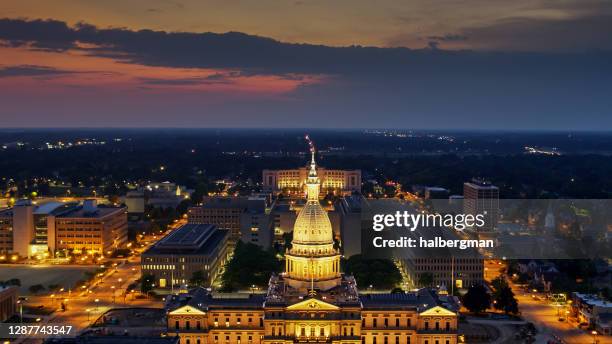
(312, 301)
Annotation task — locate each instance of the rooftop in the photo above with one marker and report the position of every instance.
(100, 211)
(190, 239)
(188, 236)
(280, 293)
(6, 212)
(593, 300)
(202, 299)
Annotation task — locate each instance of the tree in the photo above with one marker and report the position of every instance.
(36, 288)
(499, 283)
(425, 279)
(477, 299)
(11, 282)
(503, 297)
(147, 283)
(250, 265)
(53, 287)
(198, 278)
(505, 301)
(378, 273)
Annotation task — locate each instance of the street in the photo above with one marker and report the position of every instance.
(104, 292)
(535, 308)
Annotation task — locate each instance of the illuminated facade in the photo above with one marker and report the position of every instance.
(6, 232)
(191, 248)
(90, 229)
(40, 231)
(311, 302)
(343, 182)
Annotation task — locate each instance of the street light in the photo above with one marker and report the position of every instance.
(594, 333)
(113, 291)
(96, 301)
(88, 310)
(20, 303)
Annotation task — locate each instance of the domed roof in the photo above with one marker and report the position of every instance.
(312, 225)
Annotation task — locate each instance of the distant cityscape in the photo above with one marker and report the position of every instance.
(199, 240)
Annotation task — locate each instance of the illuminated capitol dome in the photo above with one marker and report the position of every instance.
(312, 262)
(311, 302)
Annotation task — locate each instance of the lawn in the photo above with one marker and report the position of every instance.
(29, 275)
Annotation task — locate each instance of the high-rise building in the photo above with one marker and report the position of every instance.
(312, 301)
(23, 227)
(481, 197)
(6, 232)
(351, 210)
(342, 182)
(191, 248)
(257, 225)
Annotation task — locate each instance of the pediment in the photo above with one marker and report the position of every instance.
(437, 311)
(311, 305)
(187, 310)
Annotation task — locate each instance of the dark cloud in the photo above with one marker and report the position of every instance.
(369, 86)
(259, 55)
(213, 79)
(448, 38)
(43, 34)
(32, 71)
(433, 45)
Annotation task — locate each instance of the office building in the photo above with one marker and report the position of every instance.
(90, 229)
(257, 225)
(6, 232)
(481, 197)
(191, 248)
(40, 231)
(235, 214)
(8, 302)
(350, 210)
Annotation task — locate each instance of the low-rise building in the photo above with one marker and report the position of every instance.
(156, 195)
(8, 302)
(592, 310)
(191, 248)
(41, 230)
(91, 229)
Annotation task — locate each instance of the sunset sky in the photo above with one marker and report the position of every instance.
(271, 63)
